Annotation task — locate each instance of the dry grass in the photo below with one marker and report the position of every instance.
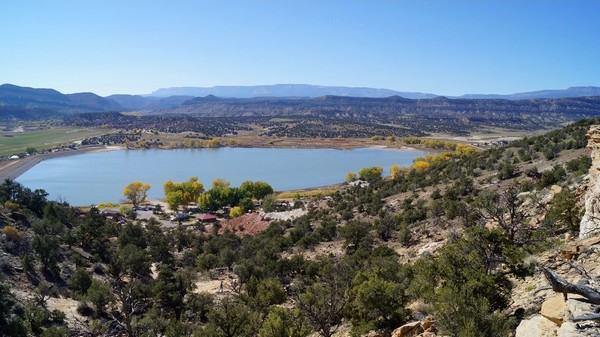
(305, 194)
(12, 234)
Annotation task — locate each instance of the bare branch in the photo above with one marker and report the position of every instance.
(580, 270)
(560, 285)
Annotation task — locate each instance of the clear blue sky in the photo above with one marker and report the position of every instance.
(442, 47)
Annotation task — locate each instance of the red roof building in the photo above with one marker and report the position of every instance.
(207, 218)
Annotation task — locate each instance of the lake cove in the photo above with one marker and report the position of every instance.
(92, 178)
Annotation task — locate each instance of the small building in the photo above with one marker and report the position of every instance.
(207, 218)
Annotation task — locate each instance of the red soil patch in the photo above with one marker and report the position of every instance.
(247, 224)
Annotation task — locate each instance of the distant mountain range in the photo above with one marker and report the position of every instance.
(305, 90)
(285, 90)
(560, 93)
(144, 103)
(32, 103)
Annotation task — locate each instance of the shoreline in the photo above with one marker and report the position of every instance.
(13, 168)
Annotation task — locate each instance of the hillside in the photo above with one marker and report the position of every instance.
(456, 116)
(352, 117)
(337, 106)
(512, 110)
(324, 116)
(444, 244)
(145, 103)
(32, 103)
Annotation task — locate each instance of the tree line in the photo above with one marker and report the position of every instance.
(221, 194)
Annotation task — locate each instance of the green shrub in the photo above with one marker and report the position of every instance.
(55, 332)
(100, 295)
(80, 282)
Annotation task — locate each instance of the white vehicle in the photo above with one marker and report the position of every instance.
(180, 217)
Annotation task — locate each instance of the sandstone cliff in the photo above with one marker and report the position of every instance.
(590, 222)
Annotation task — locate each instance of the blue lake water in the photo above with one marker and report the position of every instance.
(92, 178)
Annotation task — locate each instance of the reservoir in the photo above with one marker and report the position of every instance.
(92, 178)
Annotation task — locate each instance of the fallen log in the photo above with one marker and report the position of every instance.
(586, 317)
(560, 285)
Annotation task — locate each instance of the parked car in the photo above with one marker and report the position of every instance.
(180, 217)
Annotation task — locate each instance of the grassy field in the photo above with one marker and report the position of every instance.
(16, 142)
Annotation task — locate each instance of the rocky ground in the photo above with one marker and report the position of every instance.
(247, 224)
(547, 313)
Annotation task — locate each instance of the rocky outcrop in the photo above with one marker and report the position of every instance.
(554, 309)
(424, 328)
(590, 222)
(555, 320)
(536, 326)
(377, 333)
(409, 330)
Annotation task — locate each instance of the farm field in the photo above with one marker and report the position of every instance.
(42, 139)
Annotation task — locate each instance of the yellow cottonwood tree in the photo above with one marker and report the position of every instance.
(136, 192)
(177, 193)
(421, 165)
(396, 171)
(350, 176)
(371, 174)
